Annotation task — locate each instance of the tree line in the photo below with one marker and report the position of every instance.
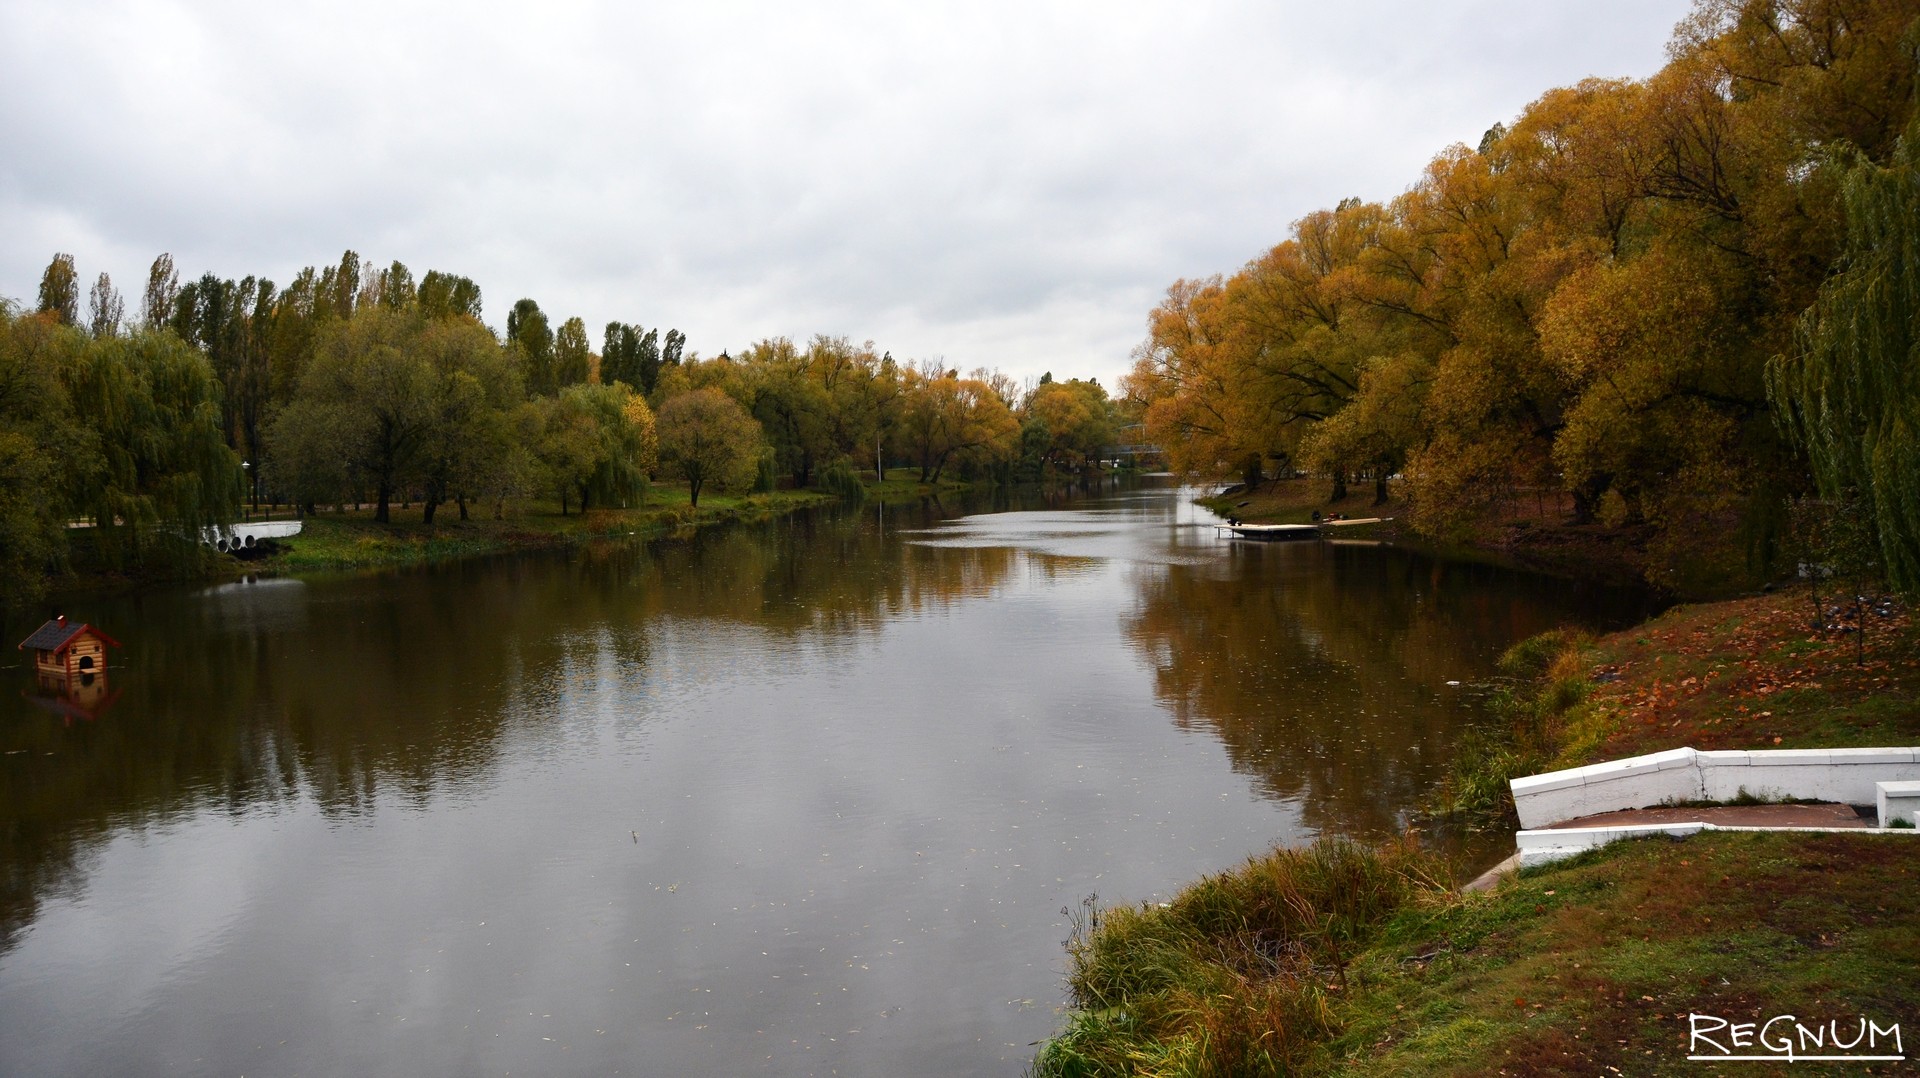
(360, 384)
(1585, 304)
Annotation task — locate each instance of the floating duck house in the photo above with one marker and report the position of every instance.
(65, 650)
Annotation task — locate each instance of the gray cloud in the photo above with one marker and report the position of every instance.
(1002, 184)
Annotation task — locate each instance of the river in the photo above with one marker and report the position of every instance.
(805, 797)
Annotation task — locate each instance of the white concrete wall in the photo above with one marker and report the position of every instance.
(1844, 775)
(1898, 801)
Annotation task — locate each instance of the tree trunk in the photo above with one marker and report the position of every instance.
(461, 501)
(563, 500)
(1586, 499)
(693, 490)
(380, 514)
(1339, 487)
(426, 510)
(1380, 487)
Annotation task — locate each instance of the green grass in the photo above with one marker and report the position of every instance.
(353, 540)
(1234, 975)
(1586, 967)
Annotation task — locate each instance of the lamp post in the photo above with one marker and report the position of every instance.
(246, 509)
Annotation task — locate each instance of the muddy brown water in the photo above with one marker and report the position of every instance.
(805, 797)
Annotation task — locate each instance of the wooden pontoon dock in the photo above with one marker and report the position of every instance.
(1272, 532)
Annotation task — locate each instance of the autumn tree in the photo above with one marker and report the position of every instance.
(1076, 417)
(706, 437)
(60, 291)
(163, 283)
(105, 308)
(946, 417)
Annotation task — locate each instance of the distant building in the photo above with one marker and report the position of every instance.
(67, 651)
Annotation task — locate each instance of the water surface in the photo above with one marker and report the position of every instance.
(799, 798)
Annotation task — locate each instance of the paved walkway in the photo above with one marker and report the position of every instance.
(1819, 815)
(1824, 815)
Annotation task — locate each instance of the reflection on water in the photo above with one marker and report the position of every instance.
(1331, 672)
(785, 799)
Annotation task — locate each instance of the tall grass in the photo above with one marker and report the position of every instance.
(1542, 678)
(1231, 977)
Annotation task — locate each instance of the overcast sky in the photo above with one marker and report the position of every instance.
(1000, 184)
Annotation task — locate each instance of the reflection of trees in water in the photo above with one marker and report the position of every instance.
(829, 572)
(404, 684)
(246, 696)
(1323, 669)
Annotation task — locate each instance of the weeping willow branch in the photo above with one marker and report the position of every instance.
(1850, 392)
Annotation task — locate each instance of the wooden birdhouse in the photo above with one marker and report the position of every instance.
(68, 651)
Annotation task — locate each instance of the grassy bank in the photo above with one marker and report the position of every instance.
(1767, 671)
(1348, 960)
(353, 539)
(1345, 960)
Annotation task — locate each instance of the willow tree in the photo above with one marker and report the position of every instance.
(41, 445)
(1849, 393)
(163, 471)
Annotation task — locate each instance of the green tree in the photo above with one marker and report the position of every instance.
(471, 392)
(792, 407)
(572, 355)
(446, 295)
(706, 437)
(365, 401)
(597, 442)
(618, 349)
(1849, 392)
(529, 333)
(40, 442)
(163, 471)
(393, 288)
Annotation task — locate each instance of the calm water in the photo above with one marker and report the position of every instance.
(802, 798)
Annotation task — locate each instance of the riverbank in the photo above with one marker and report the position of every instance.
(1771, 671)
(1523, 533)
(351, 539)
(1342, 960)
(1582, 966)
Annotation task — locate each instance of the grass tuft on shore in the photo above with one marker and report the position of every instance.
(1231, 977)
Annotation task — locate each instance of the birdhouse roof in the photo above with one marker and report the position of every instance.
(55, 635)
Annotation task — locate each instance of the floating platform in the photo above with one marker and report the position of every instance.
(1283, 532)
